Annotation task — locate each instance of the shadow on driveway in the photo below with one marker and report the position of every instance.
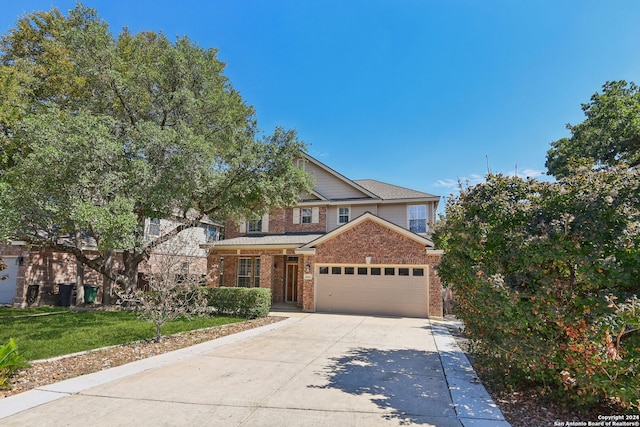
(408, 385)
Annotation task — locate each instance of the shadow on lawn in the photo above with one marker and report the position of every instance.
(408, 385)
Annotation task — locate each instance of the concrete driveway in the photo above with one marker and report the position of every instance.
(310, 370)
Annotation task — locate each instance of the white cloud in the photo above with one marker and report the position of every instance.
(471, 180)
(526, 173)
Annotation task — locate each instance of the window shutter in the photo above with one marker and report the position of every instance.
(242, 227)
(265, 223)
(296, 215)
(315, 215)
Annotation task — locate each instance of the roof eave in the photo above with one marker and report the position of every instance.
(253, 246)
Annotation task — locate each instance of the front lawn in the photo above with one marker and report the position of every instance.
(41, 337)
(11, 312)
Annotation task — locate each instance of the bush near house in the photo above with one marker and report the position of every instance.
(244, 302)
(547, 277)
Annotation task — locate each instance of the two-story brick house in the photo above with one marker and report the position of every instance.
(350, 246)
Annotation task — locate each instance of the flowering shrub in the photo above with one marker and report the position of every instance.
(546, 277)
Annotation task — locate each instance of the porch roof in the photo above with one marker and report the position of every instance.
(270, 240)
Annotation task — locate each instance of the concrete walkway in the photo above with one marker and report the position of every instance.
(310, 370)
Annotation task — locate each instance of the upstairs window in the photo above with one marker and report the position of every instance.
(305, 215)
(418, 219)
(343, 215)
(210, 233)
(154, 227)
(254, 225)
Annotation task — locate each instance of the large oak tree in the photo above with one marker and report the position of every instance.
(609, 136)
(99, 133)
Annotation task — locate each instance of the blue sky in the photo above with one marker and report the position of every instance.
(417, 93)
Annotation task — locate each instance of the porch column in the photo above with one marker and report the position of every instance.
(266, 271)
(308, 274)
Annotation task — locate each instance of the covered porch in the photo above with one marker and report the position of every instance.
(267, 261)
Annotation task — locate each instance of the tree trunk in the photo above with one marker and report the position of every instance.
(79, 272)
(106, 282)
(130, 274)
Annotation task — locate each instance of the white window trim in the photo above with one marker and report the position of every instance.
(315, 215)
(264, 226)
(338, 214)
(254, 270)
(303, 216)
(154, 223)
(426, 217)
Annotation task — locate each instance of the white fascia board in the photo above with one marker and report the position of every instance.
(435, 252)
(305, 251)
(249, 247)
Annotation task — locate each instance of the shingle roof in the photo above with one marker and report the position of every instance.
(389, 191)
(269, 239)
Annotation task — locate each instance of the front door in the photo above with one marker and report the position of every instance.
(291, 294)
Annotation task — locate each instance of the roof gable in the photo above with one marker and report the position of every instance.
(333, 185)
(367, 216)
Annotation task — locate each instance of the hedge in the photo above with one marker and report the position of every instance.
(547, 278)
(244, 302)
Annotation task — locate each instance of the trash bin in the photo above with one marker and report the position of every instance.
(32, 294)
(64, 294)
(90, 293)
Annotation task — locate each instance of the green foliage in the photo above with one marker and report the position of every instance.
(546, 277)
(101, 133)
(10, 361)
(609, 136)
(245, 302)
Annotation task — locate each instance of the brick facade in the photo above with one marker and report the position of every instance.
(319, 227)
(368, 242)
(47, 269)
(371, 239)
(281, 222)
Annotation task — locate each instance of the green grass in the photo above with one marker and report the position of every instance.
(41, 337)
(9, 311)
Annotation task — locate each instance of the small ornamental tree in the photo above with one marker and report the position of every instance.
(546, 276)
(171, 291)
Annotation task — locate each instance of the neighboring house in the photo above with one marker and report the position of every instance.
(184, 248)
(350, 246)
(48, 269)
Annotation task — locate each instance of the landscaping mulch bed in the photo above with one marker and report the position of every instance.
(65, 367)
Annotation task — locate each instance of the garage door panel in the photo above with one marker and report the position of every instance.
(367, 294)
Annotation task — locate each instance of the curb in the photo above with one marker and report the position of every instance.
(473, 405)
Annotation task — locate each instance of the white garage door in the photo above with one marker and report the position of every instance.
(363, 289)
(8, 285)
